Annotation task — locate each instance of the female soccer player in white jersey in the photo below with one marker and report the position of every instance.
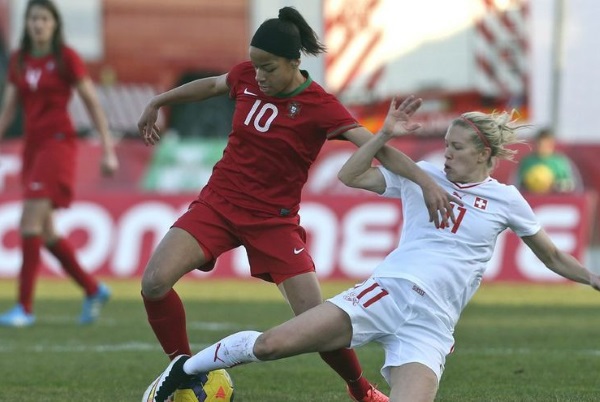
(415, 296)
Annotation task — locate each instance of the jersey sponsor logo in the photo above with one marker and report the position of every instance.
(293, 109)
(480, 203)
(246, 92)
(298, 250)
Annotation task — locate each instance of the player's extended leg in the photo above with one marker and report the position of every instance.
(303, 292)
(96, 294)
(177, 254)
(325, 327)
(34, 213)
(413, 382)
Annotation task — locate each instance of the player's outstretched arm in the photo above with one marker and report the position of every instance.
(397, 123)
(560, 262)
(193, 91)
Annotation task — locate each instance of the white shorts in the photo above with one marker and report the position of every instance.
(401, 316)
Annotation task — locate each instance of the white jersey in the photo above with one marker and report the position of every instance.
(449, 263)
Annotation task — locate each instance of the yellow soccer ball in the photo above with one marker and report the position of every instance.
(217, 386)
(539, 179)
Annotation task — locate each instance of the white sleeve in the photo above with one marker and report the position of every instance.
(393, 183)
(522, 219)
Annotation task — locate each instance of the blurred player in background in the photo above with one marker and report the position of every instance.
(42, 74)
(282, 119)
(545, 170)
(414, 298)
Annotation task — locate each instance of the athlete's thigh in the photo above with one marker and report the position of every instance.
(49, 229)
(302, 292)
(322, 328)
(214, 234)
(413, 382)
(34, 214)
(177, 254)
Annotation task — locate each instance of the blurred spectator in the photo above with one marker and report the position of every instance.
(545, 170)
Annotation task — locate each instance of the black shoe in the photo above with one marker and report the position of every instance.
(165, 385)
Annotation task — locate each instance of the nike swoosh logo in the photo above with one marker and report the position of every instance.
(298, 251)
(246, 92)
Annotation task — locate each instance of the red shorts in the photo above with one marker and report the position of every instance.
(276, 245)
(49, 170)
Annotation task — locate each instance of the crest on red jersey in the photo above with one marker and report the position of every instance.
(293, 109)
(480, 203)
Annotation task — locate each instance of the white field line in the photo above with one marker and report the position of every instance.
(154, 346)
(8, 347)
(105, 348)
(526, 351)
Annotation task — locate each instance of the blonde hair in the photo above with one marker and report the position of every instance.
(495, 130)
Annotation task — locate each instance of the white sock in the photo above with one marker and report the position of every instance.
(228, 352)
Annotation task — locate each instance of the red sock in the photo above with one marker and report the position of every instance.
(65, 254)
(30, 247)
(345, 363)
(167, 319)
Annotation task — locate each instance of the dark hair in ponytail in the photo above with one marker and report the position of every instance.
(287, 36)
(309, 40)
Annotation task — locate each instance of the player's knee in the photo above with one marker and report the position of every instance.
(268, 346)
(153, 286)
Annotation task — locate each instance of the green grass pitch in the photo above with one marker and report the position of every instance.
(514, 343)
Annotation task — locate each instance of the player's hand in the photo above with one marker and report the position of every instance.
(439, 205)
(397, 122)
(147, 127)
(109, 164)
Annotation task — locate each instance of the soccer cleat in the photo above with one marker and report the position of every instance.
(93, 304)
(373, 395)
(168, 381)
(17, 317)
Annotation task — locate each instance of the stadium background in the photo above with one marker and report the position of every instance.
(459, 56)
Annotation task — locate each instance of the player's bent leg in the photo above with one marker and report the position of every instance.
(177, 254)
(413, 382)
(302, 292)
(322, 328)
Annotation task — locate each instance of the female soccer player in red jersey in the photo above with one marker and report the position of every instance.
(42, 74)
(282, 119)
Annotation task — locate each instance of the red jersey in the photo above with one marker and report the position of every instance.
(45, 92)
(274, 141)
